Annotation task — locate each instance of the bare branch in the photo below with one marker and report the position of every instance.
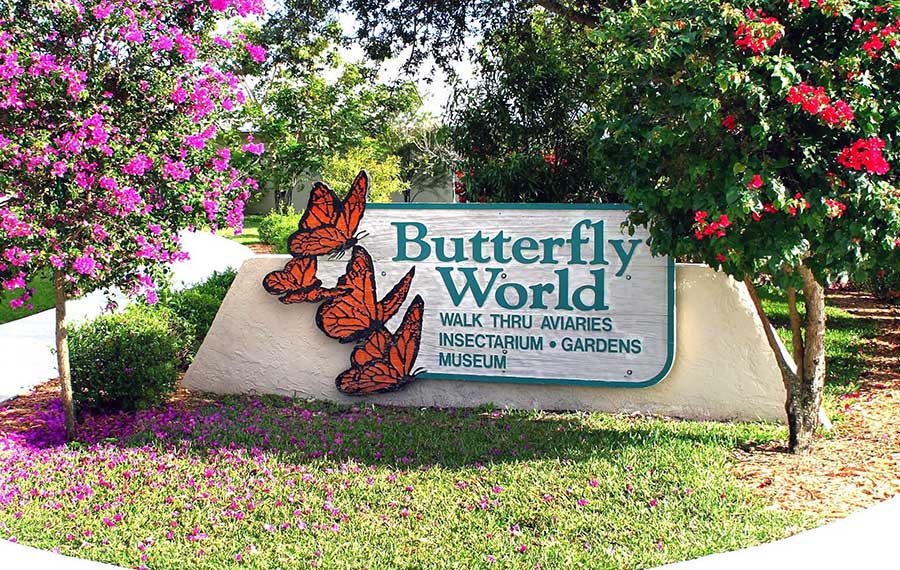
(796, 332)
(788, 370)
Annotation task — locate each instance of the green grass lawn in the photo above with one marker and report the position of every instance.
(276, 483)
(269, 482)
(250, 234)
(44, 298)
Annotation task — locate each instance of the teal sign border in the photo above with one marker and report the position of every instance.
(670, 347)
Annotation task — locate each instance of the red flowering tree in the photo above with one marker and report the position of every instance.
(760, 137)
(108, 124)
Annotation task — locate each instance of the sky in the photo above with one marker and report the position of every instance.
(435, 93)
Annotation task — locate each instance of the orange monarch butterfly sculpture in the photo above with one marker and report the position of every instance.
(359, 313)
(298, 283)
(383, 363)
(352, 312)
(328, 226)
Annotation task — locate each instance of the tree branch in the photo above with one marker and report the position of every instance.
(568, 13)
(796, 333)
(787, 370)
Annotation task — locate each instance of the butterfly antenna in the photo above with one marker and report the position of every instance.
(418, 371)
(361, 235)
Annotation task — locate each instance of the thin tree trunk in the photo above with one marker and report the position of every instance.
(812, 384)
(62, 356)
(781, 357)
(796, 330)
(803, 393)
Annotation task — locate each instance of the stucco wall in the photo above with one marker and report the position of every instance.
(723, 368)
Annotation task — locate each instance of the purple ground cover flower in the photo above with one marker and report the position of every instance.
(255, 481)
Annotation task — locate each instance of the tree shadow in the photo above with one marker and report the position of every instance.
(308, 432)
(302, 431)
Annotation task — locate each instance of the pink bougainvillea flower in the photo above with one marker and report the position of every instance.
(257, 53)
(253, 148)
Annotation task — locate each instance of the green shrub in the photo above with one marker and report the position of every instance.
(196, 307)
(127, 361)
(277, 226)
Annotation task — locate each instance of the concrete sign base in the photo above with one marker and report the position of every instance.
(724, 368)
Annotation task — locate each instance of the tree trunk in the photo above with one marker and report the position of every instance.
(808, 397)
(804, 380)
(62, 356)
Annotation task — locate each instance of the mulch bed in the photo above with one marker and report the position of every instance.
(261, 248)
(858, 463)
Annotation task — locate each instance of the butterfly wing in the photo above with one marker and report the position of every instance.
(322, 209)
(351, 317)
(317, 233)
(354, 206)
(348, 380)
(298, 283)
(391, 372)
(404, 348)
(372, 348)
(298, 273)
(391, 303)
(373, 378)
(312, 295)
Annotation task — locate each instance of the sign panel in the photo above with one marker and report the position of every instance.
(549, 294)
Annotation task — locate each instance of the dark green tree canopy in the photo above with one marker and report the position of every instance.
(524, 128)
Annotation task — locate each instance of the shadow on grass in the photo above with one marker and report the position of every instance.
(299, 431)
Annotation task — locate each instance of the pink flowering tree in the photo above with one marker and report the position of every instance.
(109, 116)
(761, 138)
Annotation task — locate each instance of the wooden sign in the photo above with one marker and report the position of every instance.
(529, 293)
(493, 293)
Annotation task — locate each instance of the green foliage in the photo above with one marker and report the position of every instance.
(126, 361)
(130, 360)
(43, 298)
(316, 107)
(726, 159)
(195, 307)
(340, 170)
(277, 226)
(524, 131)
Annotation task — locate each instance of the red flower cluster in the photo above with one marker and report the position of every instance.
(798, 204)
(730, 123)
(459, 187)
(835, 208)
(759, 34)
(755, 183)
(704, 228)
(554, 161)
(767, 208)
(865, 154)
(878, 39)
(814, 101)
(831, 7)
